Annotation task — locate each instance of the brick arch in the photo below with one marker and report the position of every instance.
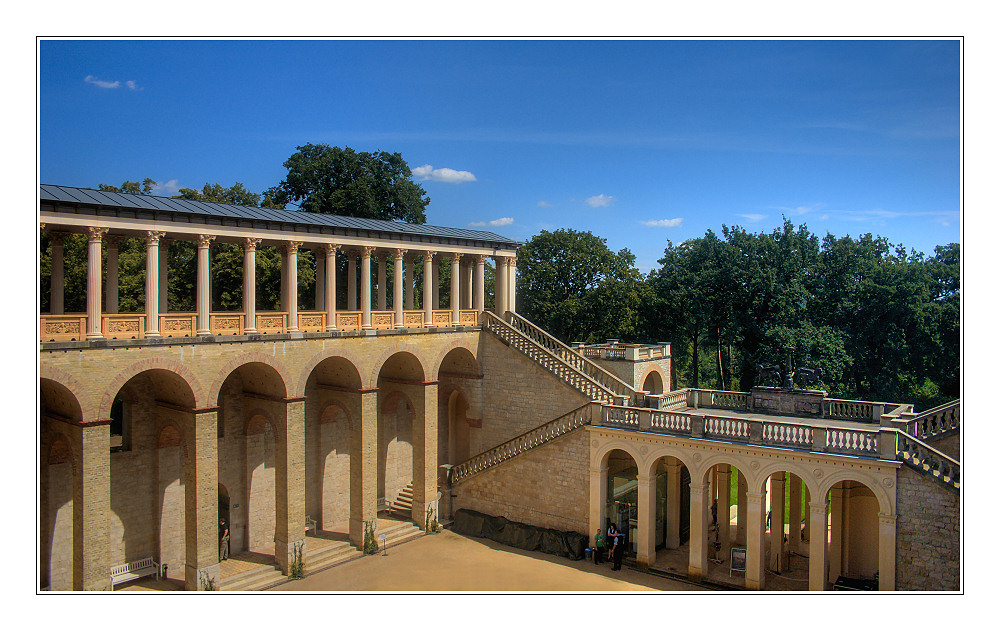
(139, 367)
(251, 357)
(355, 359)
(799, 469)
(388, 354)
(736, 460)
(251, 422)
(662, 452)
(170, 436)
(886, 501)
(439, 360)
(75, 388)
(325, 419)
(600, 457)
(59, 450)
(649, 371)
(391, 398)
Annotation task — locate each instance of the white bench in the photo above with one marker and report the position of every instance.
(134, 569)
(310, 525)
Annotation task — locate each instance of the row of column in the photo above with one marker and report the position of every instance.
(467, 282)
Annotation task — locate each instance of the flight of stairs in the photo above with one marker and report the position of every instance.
(254, 580)
(402, 506)
(328, 556)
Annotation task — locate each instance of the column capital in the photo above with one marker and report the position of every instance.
(817, 508)
(456, 257)
(512, 260)
(429, 254)
(886, 519)
(56, 238)
(480, 259)
(95, 233)
(205, 240)
(153, 237)
(291, 247)
(330, 249)
(398, 253)
(113, 240)
(250, 244)
(41, 226)
(367, 250)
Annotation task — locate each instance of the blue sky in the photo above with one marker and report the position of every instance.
(636, 141)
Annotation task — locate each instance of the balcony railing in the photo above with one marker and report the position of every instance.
(124, 326)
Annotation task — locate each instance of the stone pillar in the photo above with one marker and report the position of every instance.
(512, 286)
(794, 513)
(152, 283)
(320, 296)
(755, 540)
(94, 236)
(330, 284)
(352, 280)
(381, 282)
(291, 274)
(425, 451)
(397, 287)
(364, 466)
(250, 283)
(57, 281)
(500, 286)
(886, 552)
(817, 546)
(698, 560)
(835, 553)
(467, 285)
(673, 538)
(724, 487)
(428, 288)
(201, 499)
(646, 536)
(163, 251)
(204, 287)
(111, 289)
(289, 482)
(777, 560)
(479, 285)
(456, 287)
(409, 282)
(366, 286)
(91, 505)
(598, 499)
(436, 283)
(741, 510)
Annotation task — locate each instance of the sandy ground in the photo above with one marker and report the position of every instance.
(448, 562)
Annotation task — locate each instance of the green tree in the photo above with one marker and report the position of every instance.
(325, 179)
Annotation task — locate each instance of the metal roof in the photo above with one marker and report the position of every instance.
(90, 197)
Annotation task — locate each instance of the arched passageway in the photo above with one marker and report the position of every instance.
(653, 383)
(56, 485)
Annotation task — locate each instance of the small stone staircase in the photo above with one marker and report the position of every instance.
(323, 554)
(929, 426)
(402, 506)
(262, 577)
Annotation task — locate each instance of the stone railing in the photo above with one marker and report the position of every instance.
(571, 357)
(943, 419)
(520, 444)
(668, 400)
(722, 399)
(848, 410)
(545, 357)
(927, 460)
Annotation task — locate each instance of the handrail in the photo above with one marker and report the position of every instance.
(588, 367)
(519, 444)
(925, 459)
(936, 421)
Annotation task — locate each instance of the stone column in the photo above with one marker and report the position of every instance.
(397, 287)
(381, 282)
(456, 287)
(436, 283)
(409, 282)
(366, 286)
(425, 444)
(466, 285)
(111, 290)
(698, 560)
(94, 236)
(428, 288)
(201, 499)
(646, 536)
(330, 282)
(152, 283)
(512, 287)
(250, 283)
(57, 282)
(319, 299)
(479, 285)
(598, 499)
(364, 466)
(164, 251)
(794, 513)
(91, 504)
(886, 552)
(817, 546)
(741, 510)
(673, 538)
(291, 273)
(204, 287)
(352, 280)
(289, 482)
(835, 553)
(755, 540)
(500, 285)
(723, 484)
(777, 561)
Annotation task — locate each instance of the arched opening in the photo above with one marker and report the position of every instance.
(57, 403)
(401, 409)
(622, 507)
(170, 491)
(458, 429)
(672, 525)
(261, 476)
(458, 419)
(653, 383)
(853, 533)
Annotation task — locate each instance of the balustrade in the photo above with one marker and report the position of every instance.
(937, 421)
(926, 459)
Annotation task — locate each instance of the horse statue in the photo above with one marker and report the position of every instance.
(768, 373)
(812, 376)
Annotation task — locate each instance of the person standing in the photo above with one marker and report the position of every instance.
(223, 540)
(598, 547)
(618, 551)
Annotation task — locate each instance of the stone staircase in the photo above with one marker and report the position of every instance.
(256, 579)
(402, 506)
(563, 362)
(913, 449)
(322, 554)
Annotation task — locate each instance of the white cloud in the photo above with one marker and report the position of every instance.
(599, 200)
(427, 172)
(101, 84)
(544, 204)
(166, 188)
(132, 86)
(664, 223)
(503, 221)
(753, 216)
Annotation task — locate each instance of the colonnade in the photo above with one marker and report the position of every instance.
(467, 291)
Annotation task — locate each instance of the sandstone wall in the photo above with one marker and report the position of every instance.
(928, 534)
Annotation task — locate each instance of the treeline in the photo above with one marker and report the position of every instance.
(882, 323)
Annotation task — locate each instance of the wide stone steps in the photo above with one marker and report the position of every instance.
(402, 506)
(328, 556)
(253, 580)
(396, 533)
